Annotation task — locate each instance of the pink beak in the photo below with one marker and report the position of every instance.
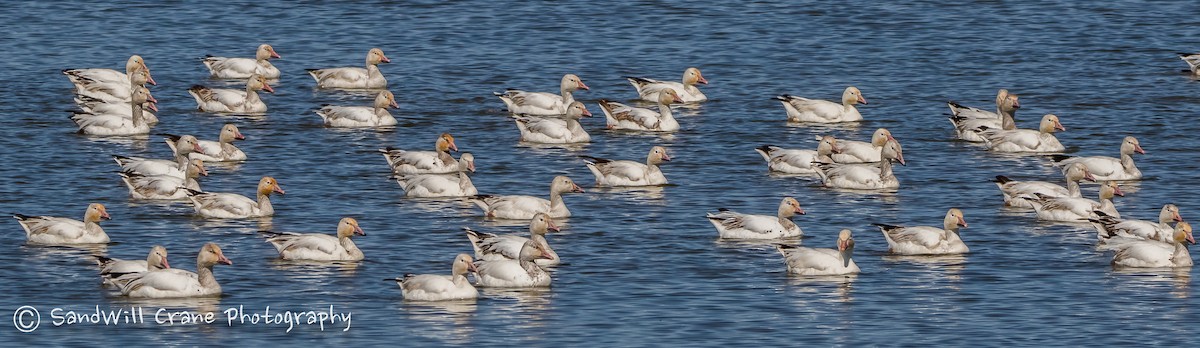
(197, 148)
(666, 157)
(701, 79)
(1177, 217)
(471, 166)
(583, 86)
(1059, 126)
(551, 226)
(1138, 149)
(224, 260)
(453, 147)
(1016, 104)
(576, 188)
(203, 172)
(279, 189)
(104, 215)
(150, 98)
(1117, 191)
(275, 55)
(587, 113)
(268, 88)
(962, 222)
(800, 211)
(239, 136)
(900, 158)
(394, 105)
(165, 263)
(1190, 239)
(862, 100)
(152, 106)
(677, 99)
(359, 231)
(384, 59)
(1089, 177)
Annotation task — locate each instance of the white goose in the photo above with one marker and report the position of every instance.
(111, 92)
(92, 107)
(1193, 62)
(118, 123)
(437, 185)
(821, 261)
(927, 240)
(550, 130)
(798, 161)
(244, 68)
(621, 116)
(1077, 209)
(542, 103)
(222, 100)
(801, 109)
(519, 207)
(490, 247)
(221, 150)
(111, 268)
(648, 89)
(437, 287)
(854, 151)
(353, 77)
(177, 283)
(734, 225)
(319, 246)
(50, 230)
(1110, 227)
(967, 119)
(376, 115)
(520, 273)
(97, 75)
(864, 176)
(1109, 168)
(629, 173)
(1013, 190)
(164, 186)
(235, 206)
(438, 161)
(1040, 140)
(184, 146)
(1157, 254)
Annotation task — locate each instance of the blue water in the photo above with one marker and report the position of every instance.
(643, 267)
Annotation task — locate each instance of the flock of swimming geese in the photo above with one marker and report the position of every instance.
(115, 103)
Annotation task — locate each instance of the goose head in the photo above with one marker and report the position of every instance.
(139, 77)
(259, 83)
(853, 96)
(348, 227)
(157, 259)
(531, 251)
(892, 151)
(668, 96)
(445, 143)
(1007, 102)
(1183, 232)
(96, 212)
(375, 57)
(466, 162)
(789, 207)
(386, 99)
(1169, 213)
(541, 224)
(1131, 145)
(141, 95)
(229, 133)
(1110, 189)
(828, 145)
(954, 219)
(196, 168)
(265, 52)
(269, 185)
(577, 110)
(845, 245)
(210, 254)
(571, 83)
(692, 76)
(563, 184)
(658, 155)
(1078, 171)
(136, 63)
(462, 264)
(1050, 124)
(187, 144)
(881, 136)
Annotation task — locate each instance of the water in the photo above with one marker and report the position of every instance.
(642, 266)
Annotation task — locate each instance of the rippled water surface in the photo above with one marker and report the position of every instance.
(641, 266)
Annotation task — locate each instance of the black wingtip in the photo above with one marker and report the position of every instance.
(21, 217)
(191, 192)
(1059, 158)
(1002, 179)
(886, 226)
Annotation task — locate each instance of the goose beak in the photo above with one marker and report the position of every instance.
(203, 172)
(278, 189)
(453, 147)
(862, 100)
(1138, 149)
(587, 113)
(666, 157)
(384, 59)
(576, 188)
(165, 263)
(1177, 217)
(224, 260)
(150, 79)
(197, 148)
(152, 106)
(901, 159)
(700, 79)
(800, 211)
(1059, 126)
(1089, 177)
(583, 86)
(471, 267)
(359, 231)
(1117, 191)
(962, 222)
(275, 55)
(268, 88)
(471, 166)
(551, 226)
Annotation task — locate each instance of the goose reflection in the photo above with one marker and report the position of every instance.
(829, 289)
(452, 321)
(526, 306)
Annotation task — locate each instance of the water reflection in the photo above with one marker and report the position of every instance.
(527, 306)
(552, 149)
(317, 271)
(251, 225)
(133, 142)
(822, 128)
(943, 266)
(651, 194)
(809, 289)
(451, 321)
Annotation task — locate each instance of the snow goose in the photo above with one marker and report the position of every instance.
(118, 123)
(629, 173)
(801, 109)
(967, 119)
(244, 68)
(854, 151)
(319, 246)
(97, 75)
(438, 161)
(376, 115)
(1013, 190)
(542, 103)
(1157, 254)
(111, 268)
(438, 287)
(517, 207)
(821, 261)
(648, 89)
(164, 186)
(223, 100)
(177, 283)
(235, 206)
(1076, 209)
(1110, 227)
(735, 225)
(111, 92)
(621, 116)
(1193, 62)
(92, 107)
(1109, 168)
(546, 130)
(184, 145)
(1025, 140)
(353, 77)
(927, 240)
(520, 273)
(437, 185)
(864, 176)
(489, 247)
(797, 161)
(221, 150)
(50, 230)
